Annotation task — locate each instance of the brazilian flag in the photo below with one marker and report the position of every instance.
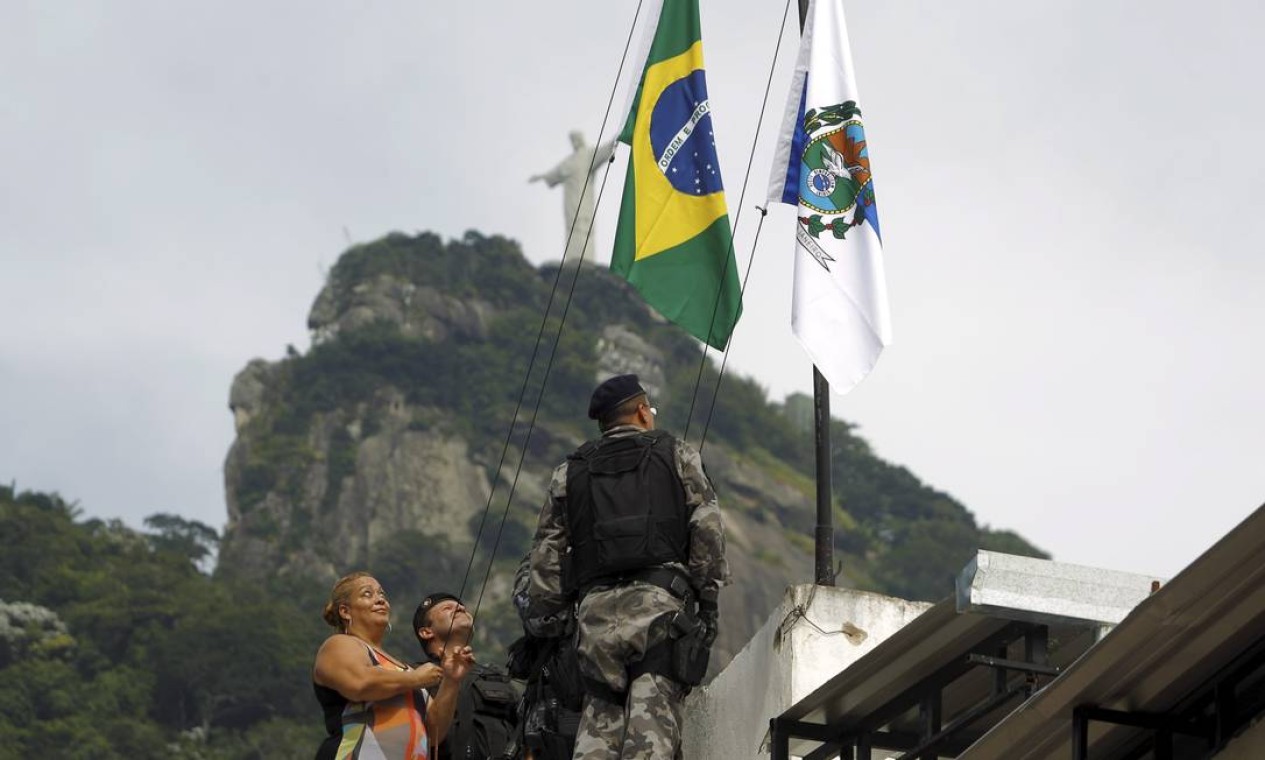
(674, 243)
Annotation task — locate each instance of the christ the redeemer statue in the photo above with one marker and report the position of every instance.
(573, 173)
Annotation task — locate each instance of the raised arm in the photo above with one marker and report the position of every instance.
(439, 713)
(343, 665)
(548, 602)
(708, 569)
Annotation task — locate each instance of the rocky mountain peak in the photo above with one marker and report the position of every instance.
(379, 447)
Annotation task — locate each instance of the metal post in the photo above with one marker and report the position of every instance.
(1036, 645)
(779, 740)
(930, 712)
(999, 674)
(1080, 735)
(1223, 714)
(1163, 744)
(824, 574)
(1036, 650)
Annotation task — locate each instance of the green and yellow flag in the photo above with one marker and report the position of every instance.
(674, 244)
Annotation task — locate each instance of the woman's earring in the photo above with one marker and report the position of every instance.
(388, 626)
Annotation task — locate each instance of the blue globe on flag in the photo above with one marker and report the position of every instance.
(682, 139)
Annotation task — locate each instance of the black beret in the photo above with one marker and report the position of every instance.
(612, 393)
(419, 615)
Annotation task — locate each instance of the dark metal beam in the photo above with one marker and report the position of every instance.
(950, 672)
(1151, 721)
(863, 733)
(931, 745)
(813, 731)
(827, 751)
(1020, 665)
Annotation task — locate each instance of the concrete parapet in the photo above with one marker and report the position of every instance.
(814, 633)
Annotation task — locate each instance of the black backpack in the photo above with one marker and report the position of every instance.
(554, 695)
(485, 726)
(552, 661)
(625, 509)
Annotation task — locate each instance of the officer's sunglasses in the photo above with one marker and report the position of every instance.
(653, 412)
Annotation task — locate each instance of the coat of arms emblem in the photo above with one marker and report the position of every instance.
(835, 176)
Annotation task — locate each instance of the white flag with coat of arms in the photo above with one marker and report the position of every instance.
(822, 166)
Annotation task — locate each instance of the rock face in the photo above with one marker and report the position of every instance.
(318, 494)
(420, 311)
(366, 473)
(621, 351)
(246, 397)
(377, 448)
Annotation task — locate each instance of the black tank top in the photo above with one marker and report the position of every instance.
(332, 704)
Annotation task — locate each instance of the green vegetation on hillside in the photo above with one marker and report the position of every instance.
(898, 536)
(114, 645)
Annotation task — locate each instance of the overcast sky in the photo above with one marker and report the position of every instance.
(1071, 195)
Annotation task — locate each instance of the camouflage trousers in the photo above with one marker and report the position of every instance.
(616, 626)
(648, 726)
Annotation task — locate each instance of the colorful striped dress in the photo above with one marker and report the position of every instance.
(389, 729)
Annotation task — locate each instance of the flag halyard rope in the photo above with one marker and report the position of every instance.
(566, 308)
(536, 352)
(702, 362)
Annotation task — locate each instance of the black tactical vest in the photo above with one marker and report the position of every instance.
(625, 508)
(484, 726)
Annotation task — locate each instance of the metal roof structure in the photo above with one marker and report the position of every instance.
(1177, 678)
(1008, 669)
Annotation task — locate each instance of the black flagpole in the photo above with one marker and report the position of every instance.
(824, 534)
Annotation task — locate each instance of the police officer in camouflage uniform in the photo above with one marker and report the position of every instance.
(630, 538)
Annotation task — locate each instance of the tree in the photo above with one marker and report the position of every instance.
(188, 538)
(924, 559)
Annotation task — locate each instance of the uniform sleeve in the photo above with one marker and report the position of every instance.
(707, 566)
(548, 605)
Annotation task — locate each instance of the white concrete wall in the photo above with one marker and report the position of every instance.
(815, 633)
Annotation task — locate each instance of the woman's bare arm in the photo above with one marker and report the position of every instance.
(343, 665)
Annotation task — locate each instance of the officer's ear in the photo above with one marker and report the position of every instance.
(425, 633)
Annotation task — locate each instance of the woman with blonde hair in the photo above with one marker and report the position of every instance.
(376, 706)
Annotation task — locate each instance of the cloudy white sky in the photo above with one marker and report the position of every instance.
(1071, 196)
